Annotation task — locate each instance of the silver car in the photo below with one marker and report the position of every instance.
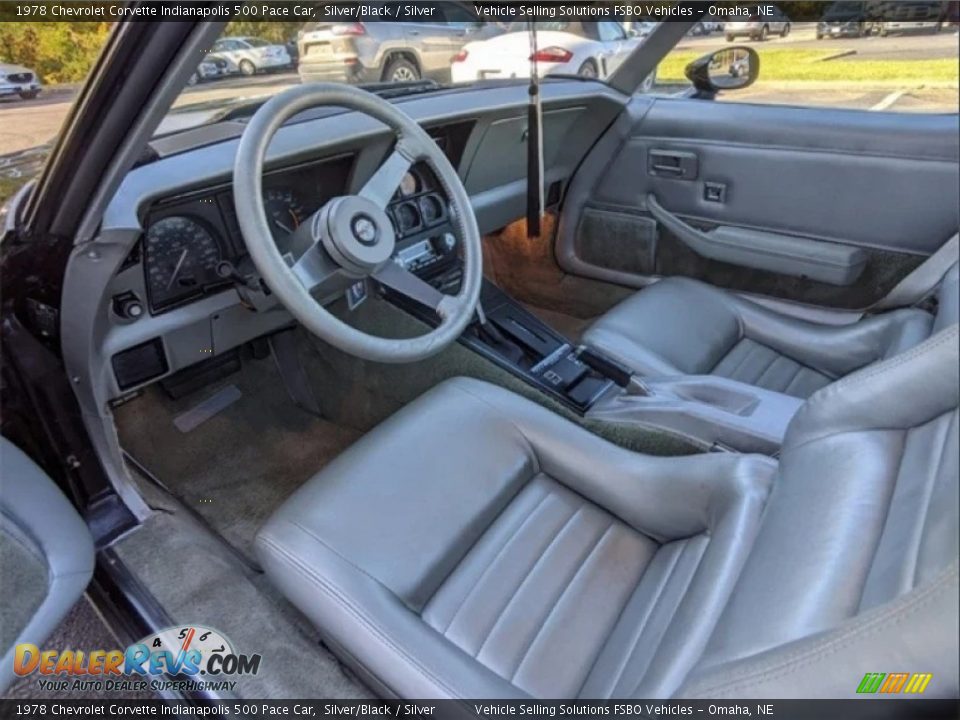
(357, 52)
(18, 80)
(251, 55)
(759, 27)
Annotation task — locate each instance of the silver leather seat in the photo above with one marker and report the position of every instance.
(46, 556)
(680, 326)
(476, 545)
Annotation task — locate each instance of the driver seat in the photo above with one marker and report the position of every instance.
(477, 545)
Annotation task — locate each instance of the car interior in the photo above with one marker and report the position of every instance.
(696, 437)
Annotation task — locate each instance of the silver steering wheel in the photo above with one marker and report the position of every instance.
(351, 237)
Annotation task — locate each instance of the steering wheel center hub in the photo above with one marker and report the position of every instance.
(356, 233)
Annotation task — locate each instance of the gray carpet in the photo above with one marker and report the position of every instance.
(198, 580)
(238, 466)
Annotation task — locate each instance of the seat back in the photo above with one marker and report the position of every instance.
(855, 567)
(948, 300)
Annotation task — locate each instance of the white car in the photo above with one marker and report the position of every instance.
(18, 80)
(589, 49)
(251, 55)
(210, 68)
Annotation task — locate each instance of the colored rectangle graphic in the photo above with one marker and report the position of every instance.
(891, 683)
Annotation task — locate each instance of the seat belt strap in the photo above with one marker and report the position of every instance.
(534, 141)
(922, 280)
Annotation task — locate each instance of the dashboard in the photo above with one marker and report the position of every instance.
(177, 290)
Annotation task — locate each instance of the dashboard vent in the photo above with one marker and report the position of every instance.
(139, 364)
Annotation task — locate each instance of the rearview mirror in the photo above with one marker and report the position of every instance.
(725, 69)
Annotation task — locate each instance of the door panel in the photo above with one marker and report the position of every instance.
(824, 206)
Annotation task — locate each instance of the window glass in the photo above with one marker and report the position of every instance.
(854, 55)
(609, 31)
(42, 66)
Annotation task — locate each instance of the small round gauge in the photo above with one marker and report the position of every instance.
(285, 210)
(408, 217)
(409, 185)
(430, 209)
(181, 256)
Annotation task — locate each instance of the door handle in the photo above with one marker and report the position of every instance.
(675, 164)
(667, 169)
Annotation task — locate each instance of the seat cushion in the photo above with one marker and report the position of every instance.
(680, 326)
(757, 364)
(476, 545)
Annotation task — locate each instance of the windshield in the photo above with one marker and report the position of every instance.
(251, 61)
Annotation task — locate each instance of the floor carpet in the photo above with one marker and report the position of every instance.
(238, 466)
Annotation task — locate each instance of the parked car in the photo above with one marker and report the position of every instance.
(210, 68)
(904, 17)
(846, 19)
(759, 27)
(251, 55)
(357, 52)
(18, 80)
(588, 49)
(705, 27)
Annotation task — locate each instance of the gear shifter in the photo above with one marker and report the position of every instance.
(496, 340)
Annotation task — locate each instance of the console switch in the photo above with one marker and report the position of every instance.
(585, 390)
(564, 373)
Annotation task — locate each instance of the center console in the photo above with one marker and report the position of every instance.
(712, 411)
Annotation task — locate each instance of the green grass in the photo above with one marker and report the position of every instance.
(806, 65)
(9, 186)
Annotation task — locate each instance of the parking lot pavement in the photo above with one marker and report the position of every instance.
(901, 100)
(911, 46)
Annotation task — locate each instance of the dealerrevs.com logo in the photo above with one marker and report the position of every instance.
(191, 657)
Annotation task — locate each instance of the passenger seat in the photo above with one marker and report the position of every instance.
(685, 327)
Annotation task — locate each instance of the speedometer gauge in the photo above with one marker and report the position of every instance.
(181, 257)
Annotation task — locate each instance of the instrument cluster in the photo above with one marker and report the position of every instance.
(192, 243)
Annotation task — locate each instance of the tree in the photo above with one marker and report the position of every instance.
(59, 52)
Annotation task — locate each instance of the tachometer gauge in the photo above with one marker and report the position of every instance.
(181, 257)
(409, 185)
(285, 210)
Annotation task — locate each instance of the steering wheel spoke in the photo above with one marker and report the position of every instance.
(382, 185)
(397, 278)
(315, 269)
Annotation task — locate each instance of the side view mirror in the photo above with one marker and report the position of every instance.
(725, 69)
(632, 33)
